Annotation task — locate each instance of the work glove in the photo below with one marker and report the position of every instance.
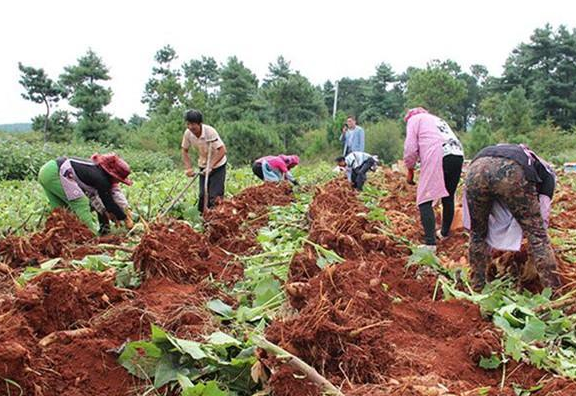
(410, 176)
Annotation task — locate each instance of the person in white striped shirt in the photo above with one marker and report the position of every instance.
(357, 165)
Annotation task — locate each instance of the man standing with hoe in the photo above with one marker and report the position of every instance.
(211, 158)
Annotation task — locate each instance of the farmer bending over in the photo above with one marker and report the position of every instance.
(82, 185)
(431, 141)
(357, 165)
(210, 148)
(276, 168)
(508, 191)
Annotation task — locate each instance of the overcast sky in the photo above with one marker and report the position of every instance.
(322, 39)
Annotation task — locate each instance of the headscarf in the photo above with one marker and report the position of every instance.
(290, 160)
(413, 112)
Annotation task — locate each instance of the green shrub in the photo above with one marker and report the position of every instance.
(22, 160)
(248, 140)
(480, 136)
(385, 139)
(316, 148)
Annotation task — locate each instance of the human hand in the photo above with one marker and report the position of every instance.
(410, 177)
(190, 172)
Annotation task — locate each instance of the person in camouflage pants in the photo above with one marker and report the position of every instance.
(496, 178)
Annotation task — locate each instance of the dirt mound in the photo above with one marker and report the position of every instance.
(285, 380)
(339, 223)
(175, 251)
(234, 223)
(303, 265)
(66, 300)
(338, 325)
(64, 235)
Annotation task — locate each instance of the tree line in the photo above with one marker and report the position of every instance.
(537, 88)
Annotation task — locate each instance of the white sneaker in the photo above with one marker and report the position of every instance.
(439, 235)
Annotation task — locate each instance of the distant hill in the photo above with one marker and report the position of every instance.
(16, 128)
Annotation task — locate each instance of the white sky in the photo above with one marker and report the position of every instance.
(322, 39)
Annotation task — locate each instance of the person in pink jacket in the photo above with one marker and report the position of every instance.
(276, 168)
(431, 141)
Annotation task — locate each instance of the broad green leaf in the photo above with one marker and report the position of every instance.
(491, 363)
(191, 348)
(513, 347)
(534, 330)
(140, 358)
(221, 339)
(220, 308)
(537, 356)
(166, 371)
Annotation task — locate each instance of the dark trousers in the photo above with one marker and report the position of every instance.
(257, 170)
(493, 178)
(358, 175)
(216, 184)
(452, 169)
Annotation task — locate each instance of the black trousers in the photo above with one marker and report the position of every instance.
(216, 184)
(257, 170)
(359, 174)
(452, 169)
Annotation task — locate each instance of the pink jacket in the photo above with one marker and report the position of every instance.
(424, 143)
(283, 163)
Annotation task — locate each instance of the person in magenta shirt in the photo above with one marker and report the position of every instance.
(431, 141)
(276, 168)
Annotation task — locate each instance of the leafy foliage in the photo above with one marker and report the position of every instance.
(81, 82)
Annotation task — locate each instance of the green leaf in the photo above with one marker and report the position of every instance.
(537, 356)
(534, 330)
(491, 363)
(513, 347)
(191, 348)
(158, 334)
(166, 371)
(220, 308)
(221, 339)
(140, 358)
(265, 290)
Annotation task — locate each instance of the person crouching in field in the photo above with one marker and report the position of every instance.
(430, 140)
(357, 165)
(211, 158)
(82, 185)
(509, 190)
(276, 168)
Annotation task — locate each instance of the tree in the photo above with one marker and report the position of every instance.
(479, 137)
(384, 100)
(353, 96)
(292, 100)
(87, 95)
(436, 89)
(328, 90)
(205, 72)
(238, 90)
(546, 68)
(40, 89)
(164, 90)
(59, 127)
(516, 114)
(280, 69)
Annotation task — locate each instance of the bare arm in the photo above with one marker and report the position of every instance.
(220, 152)
(186, 161)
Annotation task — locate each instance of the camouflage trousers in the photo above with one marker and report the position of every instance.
(494, 178)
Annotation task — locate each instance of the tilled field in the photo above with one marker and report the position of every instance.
(369, 325)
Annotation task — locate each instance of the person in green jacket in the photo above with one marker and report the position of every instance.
(85, 185)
